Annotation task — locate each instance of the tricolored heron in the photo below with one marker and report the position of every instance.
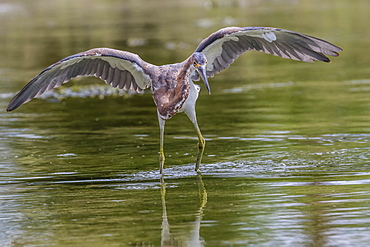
(172, 85)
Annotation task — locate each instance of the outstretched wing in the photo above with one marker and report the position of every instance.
(224, 46)
(120, 69)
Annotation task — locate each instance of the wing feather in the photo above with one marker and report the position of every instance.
(117, 68)
(224, 46)
(117, 77)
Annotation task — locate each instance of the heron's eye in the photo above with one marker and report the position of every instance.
(195, 63)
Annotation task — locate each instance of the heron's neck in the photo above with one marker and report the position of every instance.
(186, 69)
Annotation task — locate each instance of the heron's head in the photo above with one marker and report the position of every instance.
(200, 62)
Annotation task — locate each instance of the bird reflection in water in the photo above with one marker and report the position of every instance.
(193, 239)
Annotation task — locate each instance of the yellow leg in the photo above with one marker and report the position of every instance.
(161, 141)
(190, 112)
(201, 146)
(163, 195)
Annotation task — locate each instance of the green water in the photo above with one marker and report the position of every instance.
(287, 160)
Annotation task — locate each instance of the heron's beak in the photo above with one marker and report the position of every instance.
(202, 72)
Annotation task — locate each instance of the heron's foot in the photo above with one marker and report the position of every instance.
(161, 161)
(201, 146)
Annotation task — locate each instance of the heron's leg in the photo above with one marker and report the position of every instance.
(201, 142)
(201, 146)
(161, 140)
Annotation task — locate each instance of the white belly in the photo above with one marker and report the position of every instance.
(189, 105)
